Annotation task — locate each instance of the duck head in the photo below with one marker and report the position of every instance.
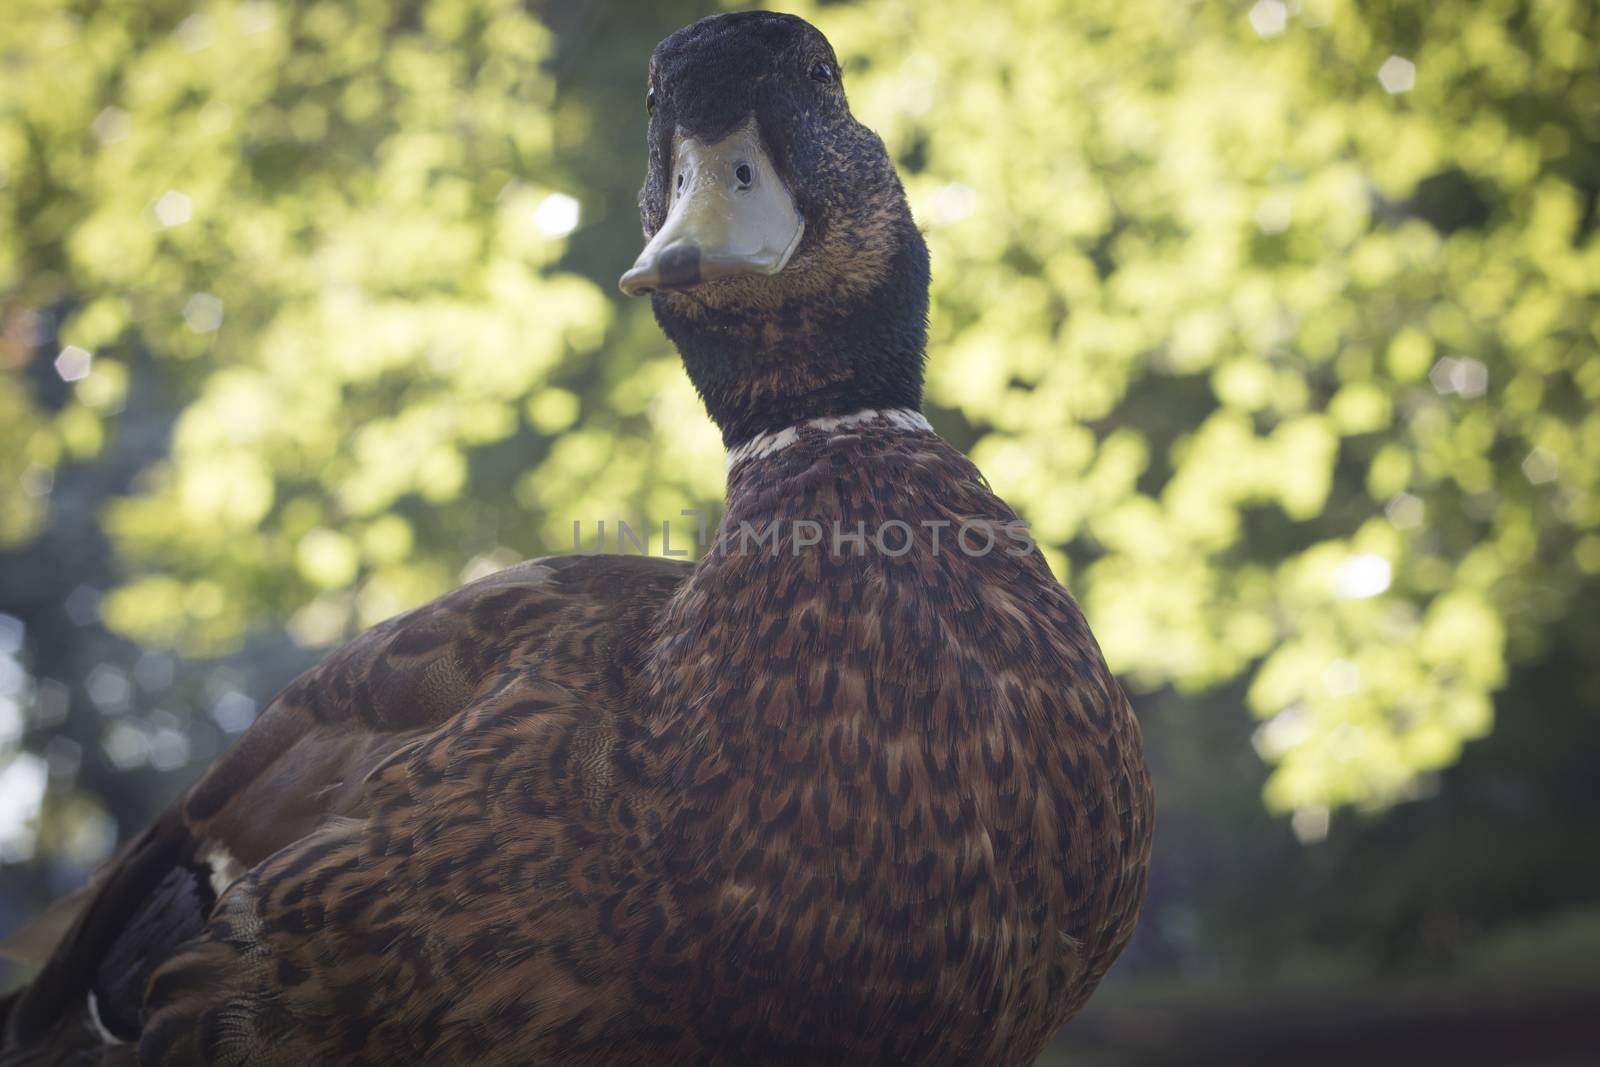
(781, 257)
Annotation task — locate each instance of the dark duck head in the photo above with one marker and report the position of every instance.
(782, 260)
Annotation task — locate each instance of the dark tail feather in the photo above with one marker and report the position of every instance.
(72, 1042)
(51, 1012)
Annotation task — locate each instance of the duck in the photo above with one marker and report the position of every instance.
(856, 786)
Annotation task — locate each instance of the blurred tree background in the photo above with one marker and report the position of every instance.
(1277, 320)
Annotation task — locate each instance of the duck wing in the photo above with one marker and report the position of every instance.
(462, 920)
(385, 747)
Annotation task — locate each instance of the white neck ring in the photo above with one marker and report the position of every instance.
(766, 444)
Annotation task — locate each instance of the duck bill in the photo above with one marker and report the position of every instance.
(730, 214)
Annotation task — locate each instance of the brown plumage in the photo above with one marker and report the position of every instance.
(811, 800)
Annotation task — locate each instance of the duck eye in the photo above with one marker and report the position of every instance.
(650, 102)
(822, 71)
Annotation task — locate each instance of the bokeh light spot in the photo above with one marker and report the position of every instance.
(203, 313)
(557, 215)
(1405, 511)
(1464, 377)
(22, 781)
(174, 208)
(1397, 75)
(1363, 575)
(1269, 17)
(111, 126)
(74, 363)
(1540, 466)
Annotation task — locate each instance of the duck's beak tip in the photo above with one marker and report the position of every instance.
(676, 265)
(636, 282)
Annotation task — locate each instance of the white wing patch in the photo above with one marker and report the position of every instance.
(100, 1027)
(225, 870)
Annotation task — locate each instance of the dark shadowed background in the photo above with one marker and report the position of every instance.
(1278, 322)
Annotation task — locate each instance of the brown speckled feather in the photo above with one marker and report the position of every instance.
(833, 809)
(914, 770)
(315, 756)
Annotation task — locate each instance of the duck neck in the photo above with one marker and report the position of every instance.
(762, 371)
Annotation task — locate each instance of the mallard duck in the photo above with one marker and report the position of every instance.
(855, 787)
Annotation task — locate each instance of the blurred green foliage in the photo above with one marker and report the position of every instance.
(1278, 322)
